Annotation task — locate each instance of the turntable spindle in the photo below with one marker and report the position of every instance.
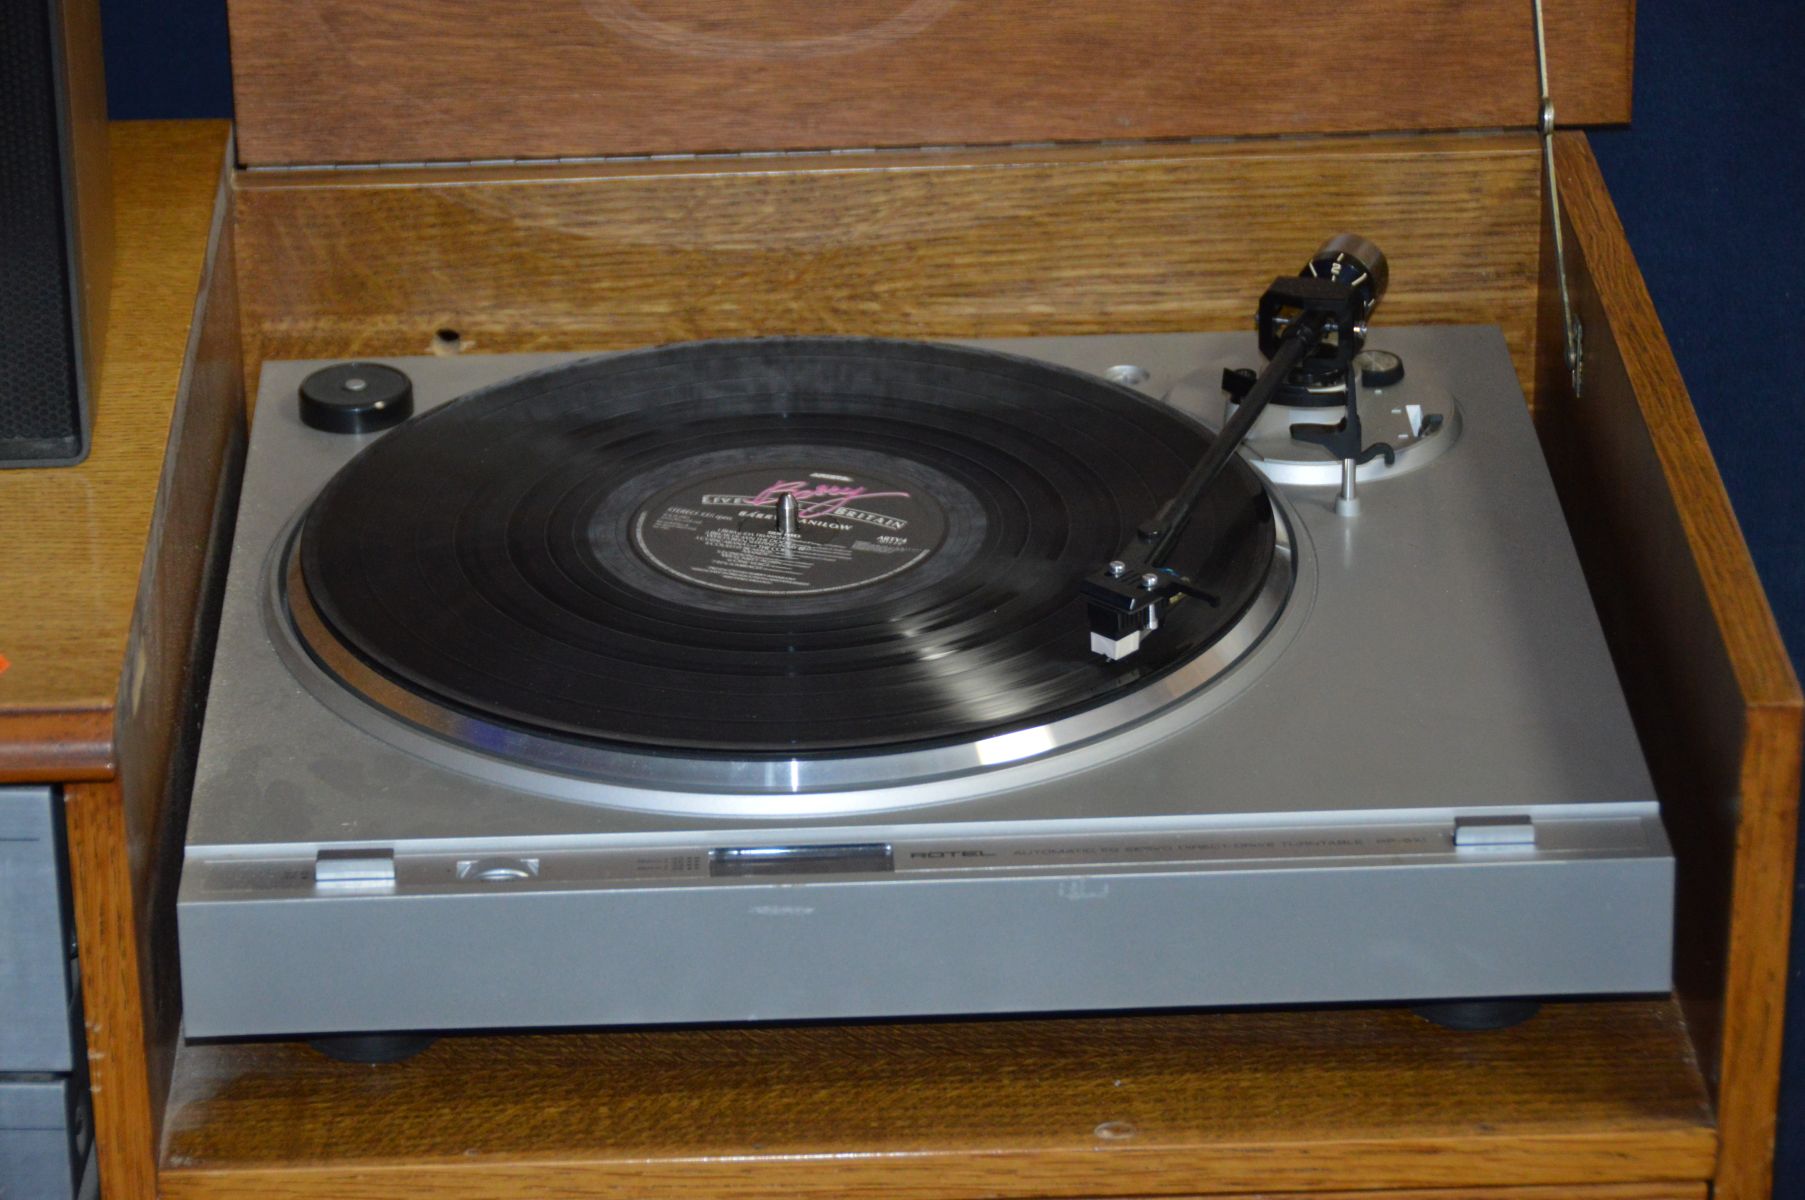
(786, 515)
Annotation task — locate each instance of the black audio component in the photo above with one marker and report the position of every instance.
(55, 228)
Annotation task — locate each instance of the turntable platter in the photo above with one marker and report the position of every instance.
(795, 547)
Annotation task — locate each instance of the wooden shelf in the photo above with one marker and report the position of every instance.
(1227, 1102)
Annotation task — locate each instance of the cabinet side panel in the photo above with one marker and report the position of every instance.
(182, 580)
(1709, 682)
(124, 835)
(106, 923)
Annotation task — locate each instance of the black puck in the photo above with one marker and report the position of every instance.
(372, 1047)
(1379, 368)
(1478, 1016)
(356, 397)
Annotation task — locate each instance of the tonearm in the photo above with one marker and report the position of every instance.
(1311, 325)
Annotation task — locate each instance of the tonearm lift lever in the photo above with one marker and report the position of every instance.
(1312, 324)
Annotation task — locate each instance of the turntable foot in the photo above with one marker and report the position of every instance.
(1474, 1016)
(372, 1047)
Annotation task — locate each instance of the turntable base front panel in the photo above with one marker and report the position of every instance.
(1071, 938)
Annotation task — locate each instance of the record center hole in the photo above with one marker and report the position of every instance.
(447, 341)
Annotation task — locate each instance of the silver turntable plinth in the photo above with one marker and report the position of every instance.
(1414, 779)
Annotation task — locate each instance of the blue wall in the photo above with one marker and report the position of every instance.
(1710, 181)
(167, 58)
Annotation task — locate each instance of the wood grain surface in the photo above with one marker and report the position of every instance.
(1709, 681)
(108, 916)
(344, 81)
(125, 835)
(973, 243)
(1230, 1102)
(73, 539)
(169, 654)
(56, 745)
(1599, 1191)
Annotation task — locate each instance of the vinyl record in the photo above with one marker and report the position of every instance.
(597, 552)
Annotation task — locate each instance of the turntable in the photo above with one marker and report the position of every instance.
(838, 678)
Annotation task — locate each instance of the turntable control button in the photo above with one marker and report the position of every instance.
(1379, 368)
(498, 870)
(356, 397)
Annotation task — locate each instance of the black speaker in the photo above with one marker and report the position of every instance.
(55, 228)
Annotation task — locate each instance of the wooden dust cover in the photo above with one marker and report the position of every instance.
(348, 81)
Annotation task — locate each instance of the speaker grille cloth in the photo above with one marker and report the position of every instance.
(39, 411)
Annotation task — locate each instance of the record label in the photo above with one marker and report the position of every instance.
(853, 528)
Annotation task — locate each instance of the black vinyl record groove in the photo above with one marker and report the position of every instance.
(593, 552)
